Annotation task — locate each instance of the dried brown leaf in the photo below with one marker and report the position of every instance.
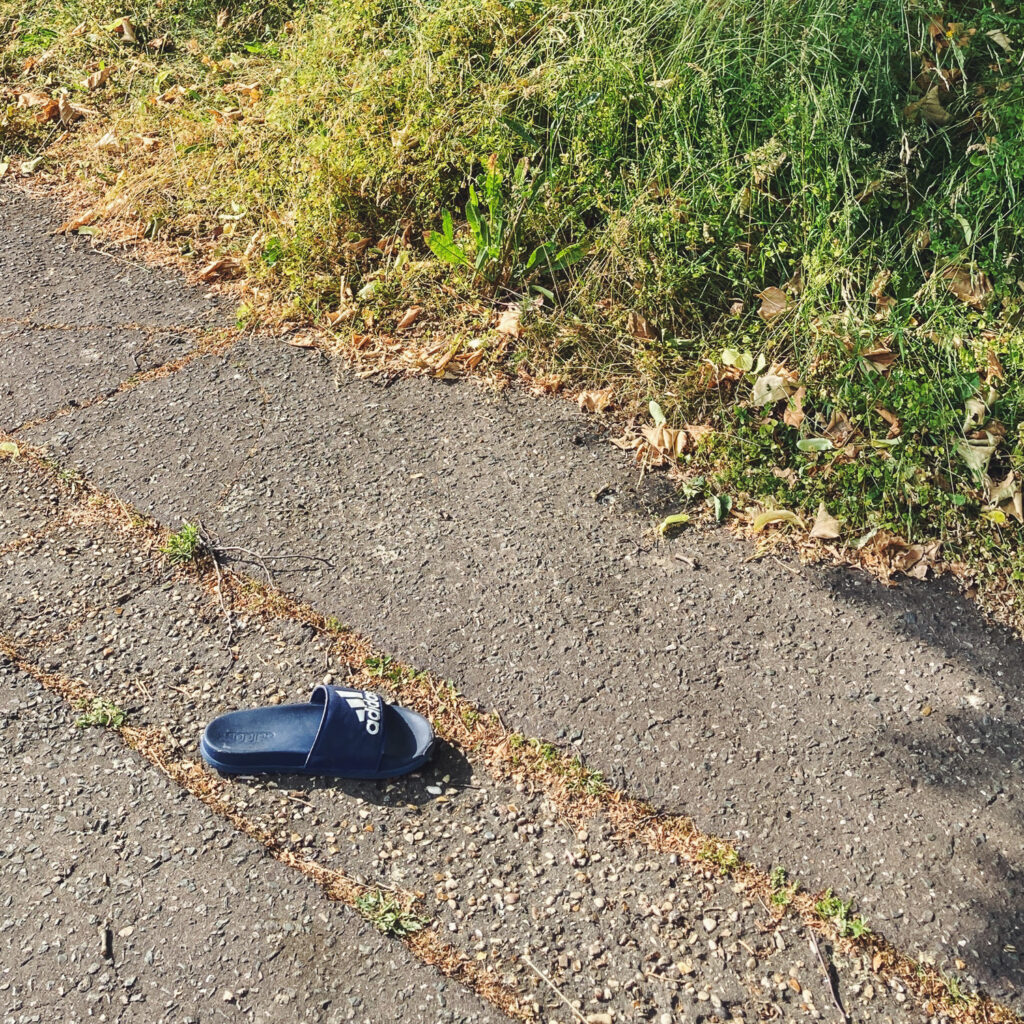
(409, 317)
(895, 428)
(666, 440)
(97, 79)
(975, 289)
(826, 526)
(33, 99)
(639, 327)
(125, 29)
(774, 302)
(509, 324)
(81, 221)
(109, 144)
(930, 108)
(595, 401)
(880, 359)
(226, 266)
(794, 414)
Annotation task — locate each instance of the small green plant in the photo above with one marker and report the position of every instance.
(495, 226)
(848, 925)
(100, 712)
(388, 914)
(721, 854)
(954, 990)
(783, 890)
(184, 545)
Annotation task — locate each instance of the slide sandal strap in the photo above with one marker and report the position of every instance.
(351, 733)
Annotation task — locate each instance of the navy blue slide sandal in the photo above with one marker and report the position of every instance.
(351, 734)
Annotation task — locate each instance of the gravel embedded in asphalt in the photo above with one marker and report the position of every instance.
(122, 898)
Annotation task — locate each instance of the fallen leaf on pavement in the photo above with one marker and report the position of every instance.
(594, 401)
(9, 450)
(97, 79)
(794, 414)
(774, 302)
(777, 515)
(509, 322)
(679, 519)
(408, 318)
(81, 221)
(627, 443)
(301, 341)
(226, 266)
(826, 526)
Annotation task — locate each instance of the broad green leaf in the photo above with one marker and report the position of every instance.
(740, 360)
(723, 506)
(814, 444)
(656, 414)
(679, 519)
(777, 515)
(9, 450)
(448, 226)
(567, 257)
(446, 250)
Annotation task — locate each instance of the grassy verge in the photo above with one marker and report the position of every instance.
(798, 221)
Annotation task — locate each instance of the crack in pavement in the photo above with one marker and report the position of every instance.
(629, 828)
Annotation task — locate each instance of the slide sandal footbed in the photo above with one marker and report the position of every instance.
(340, 732)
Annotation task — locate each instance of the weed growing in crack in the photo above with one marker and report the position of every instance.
(385, 667)
(848, 925)
(721, 854)
(783, 890)
(954, 990)
(184, 545)
(101, 712)
(388, 914)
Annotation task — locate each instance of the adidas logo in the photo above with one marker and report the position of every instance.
(367, 707)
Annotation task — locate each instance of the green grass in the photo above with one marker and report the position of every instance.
(647, 169)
